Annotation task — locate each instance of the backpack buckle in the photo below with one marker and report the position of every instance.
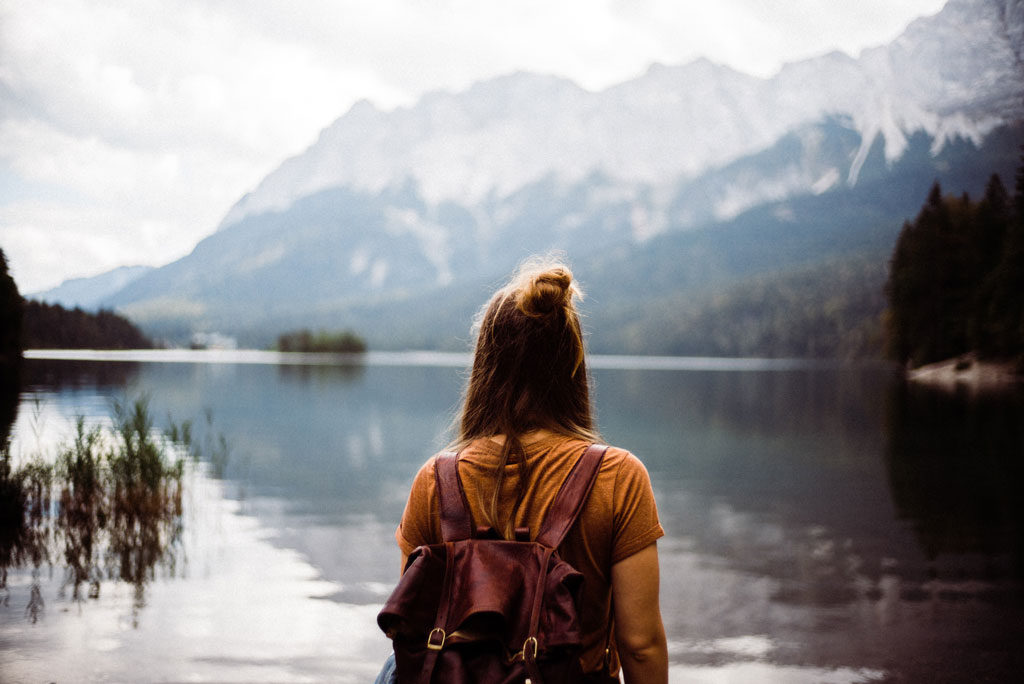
(526, 644)
(521, 655)
(430, 639)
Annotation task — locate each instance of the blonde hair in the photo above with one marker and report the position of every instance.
(529, 367)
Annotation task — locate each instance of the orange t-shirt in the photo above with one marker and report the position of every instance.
(619, 519)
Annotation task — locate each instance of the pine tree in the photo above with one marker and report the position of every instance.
(992, 221)
(11, 312)
(906, 291)
(993, 218)
(1005, 311)
(941, 285)
(928, 287)
(956, 280)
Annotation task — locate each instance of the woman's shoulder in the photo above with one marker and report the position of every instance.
(617, 461)
(623, 474)
(618, 458)
(425, 475)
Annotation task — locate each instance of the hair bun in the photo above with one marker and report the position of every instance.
(545, 292)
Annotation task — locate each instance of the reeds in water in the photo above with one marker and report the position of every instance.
(109, 506)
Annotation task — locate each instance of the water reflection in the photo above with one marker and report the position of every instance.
(321, 373)
(109, 506)
(835, 517)
(25, 511)
(10, 386)
(762, 469)
(61, 374)
(332, 441)
(955, 470)
(824, 524)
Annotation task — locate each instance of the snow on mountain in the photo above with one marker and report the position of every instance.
(956, 74)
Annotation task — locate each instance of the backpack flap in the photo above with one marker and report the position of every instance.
(410, 606)
(491, 597)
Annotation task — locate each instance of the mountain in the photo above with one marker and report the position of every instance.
(957, 74)
(88, 293)
(683, 180)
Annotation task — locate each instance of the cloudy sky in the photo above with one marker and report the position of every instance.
(127, 129)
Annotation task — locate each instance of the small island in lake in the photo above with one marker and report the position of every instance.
(321, 342)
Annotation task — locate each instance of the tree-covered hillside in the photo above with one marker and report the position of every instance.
(51, 326)
(957, 278)
(36, 325)
(829, 310)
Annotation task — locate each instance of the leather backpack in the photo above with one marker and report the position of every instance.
(484, 610)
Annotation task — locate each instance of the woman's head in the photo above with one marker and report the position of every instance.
(529, 369)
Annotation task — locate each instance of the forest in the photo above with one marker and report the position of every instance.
(956, 278)
(28, 324)
(51, 326)
(828, 310)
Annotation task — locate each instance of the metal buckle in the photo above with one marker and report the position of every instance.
(430, 637)
(522, 654)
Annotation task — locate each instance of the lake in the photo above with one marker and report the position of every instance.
(825, 523)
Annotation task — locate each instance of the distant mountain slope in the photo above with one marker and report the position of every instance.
(87, 293)
(638, 293)
(682, 180)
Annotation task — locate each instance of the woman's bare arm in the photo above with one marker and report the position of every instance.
(638, 628)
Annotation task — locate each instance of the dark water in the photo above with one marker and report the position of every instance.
(825, 524)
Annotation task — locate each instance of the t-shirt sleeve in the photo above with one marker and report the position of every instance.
(636, 512)
(416, 527)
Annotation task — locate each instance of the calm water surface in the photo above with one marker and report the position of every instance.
(825, 524)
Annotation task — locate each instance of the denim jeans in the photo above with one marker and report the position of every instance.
(387, 673)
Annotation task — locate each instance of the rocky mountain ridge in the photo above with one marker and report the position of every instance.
(679, 172)
(956, 74)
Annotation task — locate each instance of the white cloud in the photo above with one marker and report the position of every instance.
(64, 240)
(128, 129)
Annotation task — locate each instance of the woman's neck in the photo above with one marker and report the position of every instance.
(527, 438)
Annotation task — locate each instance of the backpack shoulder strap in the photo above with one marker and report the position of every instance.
(456, 522)
(570, 498)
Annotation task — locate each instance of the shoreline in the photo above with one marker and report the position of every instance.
(970, 373)
(425, 358)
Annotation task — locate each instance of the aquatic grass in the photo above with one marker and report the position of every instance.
(181, 434)
(37, 481)
(13, 499)
(145, 496)
(109, 504)
(25, 534)
(214, 448)
(83, 510)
